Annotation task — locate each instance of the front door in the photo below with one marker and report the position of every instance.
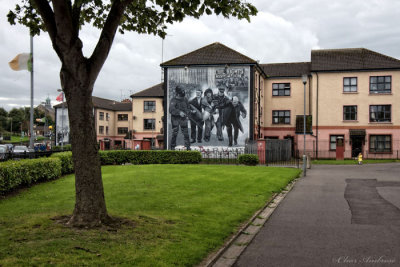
(356, 145)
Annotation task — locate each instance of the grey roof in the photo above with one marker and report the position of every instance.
(154, 91)
(296, 69)
(213, 54)
(108, 104)
(351, 59)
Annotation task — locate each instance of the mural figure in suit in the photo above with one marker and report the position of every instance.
(232, 114)
(196, 122)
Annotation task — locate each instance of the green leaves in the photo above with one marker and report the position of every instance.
(149, 17)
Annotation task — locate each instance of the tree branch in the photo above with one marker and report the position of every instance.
(47, 15)
(107, 35)
(76, 14)
(63, 21)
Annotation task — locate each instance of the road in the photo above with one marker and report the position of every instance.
(336, 216)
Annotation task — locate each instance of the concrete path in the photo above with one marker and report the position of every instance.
(336, 216)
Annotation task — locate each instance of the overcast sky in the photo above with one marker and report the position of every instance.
(283, 31)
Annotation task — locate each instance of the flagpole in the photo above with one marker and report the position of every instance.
(31, 115)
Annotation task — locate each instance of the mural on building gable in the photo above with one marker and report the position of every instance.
(208, 106)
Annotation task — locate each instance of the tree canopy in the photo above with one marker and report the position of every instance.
(62, 20)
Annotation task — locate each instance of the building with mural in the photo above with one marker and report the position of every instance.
(219, 98)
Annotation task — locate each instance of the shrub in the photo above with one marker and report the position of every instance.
(64, 148)
(117, 157)
(248, 159)
(14, 174)
(67, 166)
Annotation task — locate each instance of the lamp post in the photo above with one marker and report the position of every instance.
(45, 120)
(62, 119)
(152, 128)
(304, 78)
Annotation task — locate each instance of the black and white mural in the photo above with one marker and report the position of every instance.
(208, 106)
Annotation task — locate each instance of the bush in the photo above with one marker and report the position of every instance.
(67, 165)
(14, 174)
(64, 148)
(248, 159)
(117, 157)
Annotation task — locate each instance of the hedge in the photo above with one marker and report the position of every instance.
(118, 157)
(14, 174)
(67, 165)
(248, 159)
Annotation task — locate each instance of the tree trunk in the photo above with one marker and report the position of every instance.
(90, 208)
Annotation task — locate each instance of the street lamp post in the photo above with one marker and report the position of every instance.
(304, 78)
(62, 119)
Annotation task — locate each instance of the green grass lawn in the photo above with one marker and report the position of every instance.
(16, 139)
(352, 161)
(181, 213)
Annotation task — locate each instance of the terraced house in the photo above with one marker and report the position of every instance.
(351, 102)
(351, 98)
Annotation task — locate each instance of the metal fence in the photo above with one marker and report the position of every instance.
(26, 155)
(331, 154)
(276, 153)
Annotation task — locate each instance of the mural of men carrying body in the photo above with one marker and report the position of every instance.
(180, 110)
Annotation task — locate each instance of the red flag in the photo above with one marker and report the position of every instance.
(60, 98)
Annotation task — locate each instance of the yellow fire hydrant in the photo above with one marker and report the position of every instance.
(359, 159)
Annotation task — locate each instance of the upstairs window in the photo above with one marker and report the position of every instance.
(350, 84)
(107, 116)
(101, 116)
(149, 106)
(122, 130)
(149, 124)
(281, 89)
(122, 117)
(380, 113)
(101, 129)
(281, 116)
(349, 113)
(380, 84)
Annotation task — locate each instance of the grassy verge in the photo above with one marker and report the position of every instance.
(181, 214)
(352, 161)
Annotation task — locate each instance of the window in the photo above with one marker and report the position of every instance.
(380, 143)
(281, 116)
(149, 124)
(149, 106)
(107, 116)
(332, 141)
(101, 116)
(122, 130)
(281, 89)
(380, 113)
(349, 113)
(380, 84)
(350, 84)
(122, 117)
(101, 129)
(106, 130)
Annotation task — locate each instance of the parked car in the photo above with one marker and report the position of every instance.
(10, 146)
(23, 152)
(4, 152)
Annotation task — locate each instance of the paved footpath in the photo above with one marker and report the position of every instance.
(336, 216)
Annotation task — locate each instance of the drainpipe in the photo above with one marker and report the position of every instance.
(316, 121)
(259, 106)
